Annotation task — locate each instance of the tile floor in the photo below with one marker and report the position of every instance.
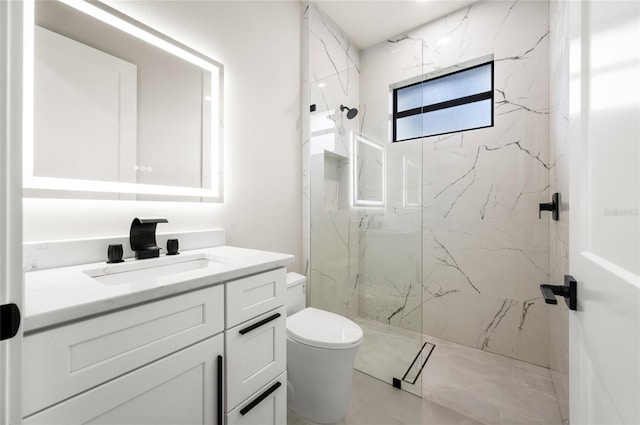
(374, 402)
(460, 385)
(387, 351)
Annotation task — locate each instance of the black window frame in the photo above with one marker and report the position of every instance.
(444, 105)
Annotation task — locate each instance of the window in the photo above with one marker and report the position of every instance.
(456, 100)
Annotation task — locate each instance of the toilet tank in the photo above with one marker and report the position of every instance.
(296, 293)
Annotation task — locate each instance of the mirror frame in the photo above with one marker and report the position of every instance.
(36, 186)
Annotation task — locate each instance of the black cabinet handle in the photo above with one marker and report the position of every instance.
(260, 323)
(259, 399)
(220, 390)
(569, 291)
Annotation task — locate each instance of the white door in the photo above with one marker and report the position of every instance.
(10, 207)
(605, 198)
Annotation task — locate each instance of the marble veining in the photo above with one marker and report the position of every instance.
(485, 336)
(334, 241)
(484, 249)
(514, 106)
(447, 260)
(463, 260)
(480, 188)
(472, 174)
(523, 55)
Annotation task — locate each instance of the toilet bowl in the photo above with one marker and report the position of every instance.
(321, 349)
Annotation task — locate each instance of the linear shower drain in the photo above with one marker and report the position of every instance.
(415, 368)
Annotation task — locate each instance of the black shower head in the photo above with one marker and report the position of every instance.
(351, 112)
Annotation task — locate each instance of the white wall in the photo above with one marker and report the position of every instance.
(259, 45)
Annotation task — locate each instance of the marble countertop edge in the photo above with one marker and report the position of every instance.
(54, 297)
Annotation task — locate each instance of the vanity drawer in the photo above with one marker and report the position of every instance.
(254, 295)
(255, 354)
(63, 361)
(268, 406)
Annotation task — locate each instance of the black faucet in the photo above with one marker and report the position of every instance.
(142, 237)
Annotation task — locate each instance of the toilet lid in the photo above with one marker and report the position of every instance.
(322, 329)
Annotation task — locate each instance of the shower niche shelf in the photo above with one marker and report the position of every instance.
(329, 177)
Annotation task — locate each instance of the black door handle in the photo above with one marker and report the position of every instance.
(569, 291)
(9, 321)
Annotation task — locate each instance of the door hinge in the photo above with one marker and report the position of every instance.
(9, 321)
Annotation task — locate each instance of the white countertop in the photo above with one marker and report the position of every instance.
(60, 295)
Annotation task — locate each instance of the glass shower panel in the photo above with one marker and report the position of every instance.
(333, 223)
(390, 274)
(365, 199)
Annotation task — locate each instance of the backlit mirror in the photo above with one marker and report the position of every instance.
(120, 111)
(368, 172)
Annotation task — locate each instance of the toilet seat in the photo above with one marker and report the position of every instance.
(322, 329)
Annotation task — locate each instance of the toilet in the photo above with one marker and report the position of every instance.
(321, 349)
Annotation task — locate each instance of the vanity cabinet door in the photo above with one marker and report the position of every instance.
(256, 354)
(62, 362)
(268, 406)
(182, 388)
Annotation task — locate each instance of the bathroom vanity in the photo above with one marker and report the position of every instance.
(196, 338)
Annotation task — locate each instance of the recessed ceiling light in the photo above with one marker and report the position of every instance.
(322, 85)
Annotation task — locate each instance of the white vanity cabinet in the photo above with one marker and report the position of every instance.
(66, 360)
(130, 366)
(255, 346)
(208, 356)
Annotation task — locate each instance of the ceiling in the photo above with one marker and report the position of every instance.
(368, 22)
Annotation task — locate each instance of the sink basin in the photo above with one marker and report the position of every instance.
(136, 270)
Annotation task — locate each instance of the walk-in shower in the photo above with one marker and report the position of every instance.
(423, 226)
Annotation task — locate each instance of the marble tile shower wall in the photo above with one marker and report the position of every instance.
(365, 261)
(485, 251)
(391, 241)
(333, 237)
(559, 230)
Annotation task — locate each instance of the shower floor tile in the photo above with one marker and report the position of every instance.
(387, 351)
(375, 403)
(460, 384)
(490, 388)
